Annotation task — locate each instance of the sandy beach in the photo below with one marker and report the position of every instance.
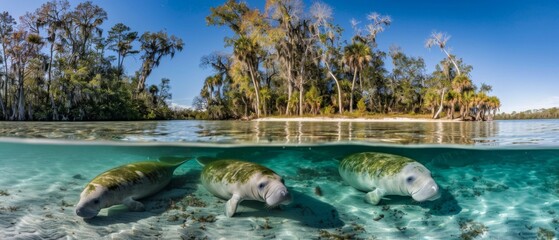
(335, 119)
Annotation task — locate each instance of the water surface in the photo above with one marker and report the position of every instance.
(495, 133)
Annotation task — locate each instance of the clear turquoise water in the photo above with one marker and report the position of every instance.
(500, 180)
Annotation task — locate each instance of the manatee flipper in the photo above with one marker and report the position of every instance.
(374, 196)
(231, 205)
(205, 160)
(134, 205)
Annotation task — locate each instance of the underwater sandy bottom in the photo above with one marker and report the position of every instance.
(40, 186)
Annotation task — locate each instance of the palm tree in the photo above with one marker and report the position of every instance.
(460, 85)
(356, 56)
(479, 103)
(466, 100)
(313, 99)
(439, 39)
(493, 105)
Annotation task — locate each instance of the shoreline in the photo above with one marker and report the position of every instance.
(344, 119)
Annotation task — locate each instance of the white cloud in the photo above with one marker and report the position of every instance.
(174, 105)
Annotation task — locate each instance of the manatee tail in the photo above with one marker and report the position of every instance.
(174, 160)
(205, 160)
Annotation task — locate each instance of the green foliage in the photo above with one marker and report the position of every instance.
(549, 113)
(313, 100)
(327, 110)
(62, 70)
(361, 106)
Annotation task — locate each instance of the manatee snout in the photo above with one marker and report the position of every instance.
(279, 196)
(85, 212)
(429, 192)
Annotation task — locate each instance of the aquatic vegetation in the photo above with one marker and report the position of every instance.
(266, 225)
(378, 217)
(173, 218)
(4, 193)
(194, 234)
(545, 234)
(189, 200)
(345, 233)
(78, 177)
(318, 191)
(10, 208)
(204, 218)
(471, 229)
(179, 216)
(324, 234)
(395, 214)
(63, 203)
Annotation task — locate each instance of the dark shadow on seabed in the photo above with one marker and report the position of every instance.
(305, 209)
(446, 205)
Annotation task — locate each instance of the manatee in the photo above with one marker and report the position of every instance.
(381, 174)
(125, 185)
(236, 181)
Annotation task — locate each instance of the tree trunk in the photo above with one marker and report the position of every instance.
(54, 109)
(451, 111)
(3, 108)
(352, 87)
(301, 98)
(453, 62)
(360, 82)
(436, 116)
(339, 89)
(21, 98)
(6, 80)
(146, 70)
(289, 88)
(301, 81)
(255, 83)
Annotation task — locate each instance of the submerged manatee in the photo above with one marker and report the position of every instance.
(382, 174)
(125, 185)
(236, 181)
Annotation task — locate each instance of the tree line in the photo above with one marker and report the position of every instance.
(57, 63)
(289, 60)
(549, 113)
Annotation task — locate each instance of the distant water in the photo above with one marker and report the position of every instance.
(499, 180)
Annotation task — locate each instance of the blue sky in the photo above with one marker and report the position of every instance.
(512, 45)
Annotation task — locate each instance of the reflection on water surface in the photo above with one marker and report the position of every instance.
(496, 133)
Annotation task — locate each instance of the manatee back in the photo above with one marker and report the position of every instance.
(139, 173)
(374, 164)
(232, 171)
